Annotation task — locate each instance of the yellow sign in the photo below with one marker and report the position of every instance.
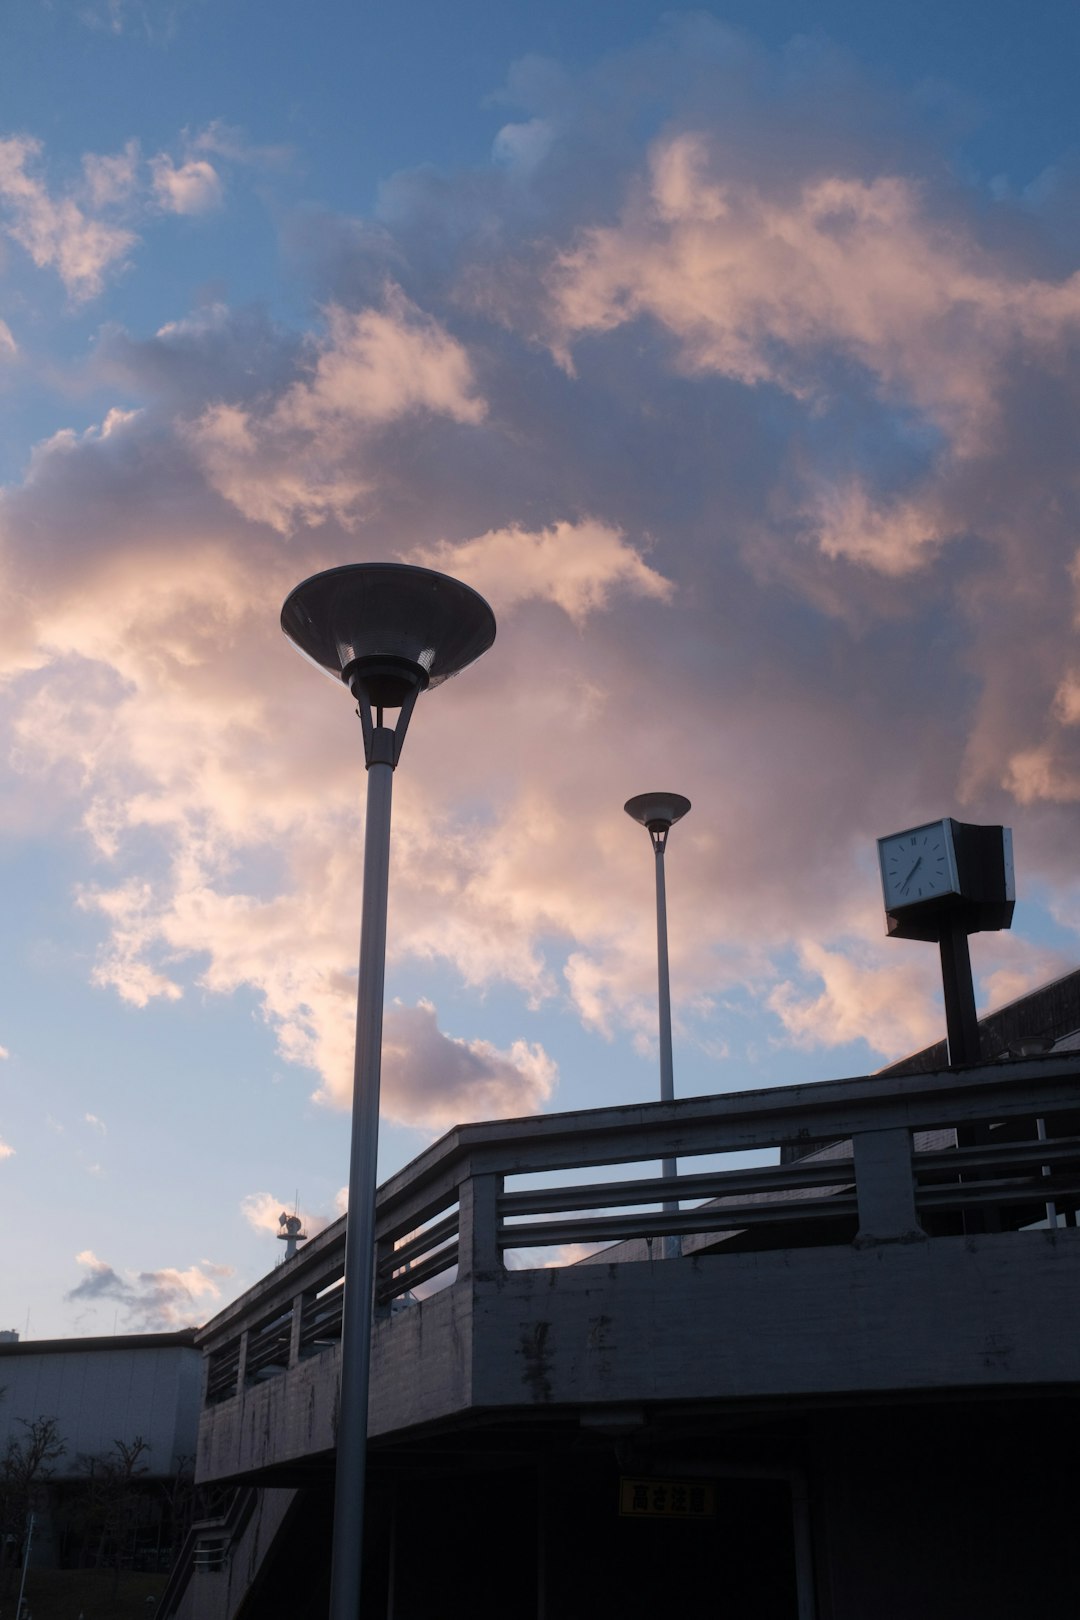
(666, 1499)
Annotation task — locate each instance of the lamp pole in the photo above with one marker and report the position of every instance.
(388, 632)
(658, 813)
(356, 1306)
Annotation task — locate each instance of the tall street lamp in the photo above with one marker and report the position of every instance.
(389, 632)
(658, 813)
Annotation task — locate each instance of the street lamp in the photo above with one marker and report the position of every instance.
(658, 813)
(389, 632)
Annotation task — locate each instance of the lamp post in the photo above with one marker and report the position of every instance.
(658, 813)
(389, 632)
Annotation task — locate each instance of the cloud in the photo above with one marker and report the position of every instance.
(758, 286)
(575, 565)
(800, 487)
(56, 231)
(438, 1080)
(155, 20)
(193, 187)
(4, 1053)
(887, 1007)
(95, 1123)
(896, 537)
(112, 179)
(295, 459)
(151, 1301)
(6, 1150)
(232, 143)
(8, 347)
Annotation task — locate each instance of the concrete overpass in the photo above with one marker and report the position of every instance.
(855, 1364)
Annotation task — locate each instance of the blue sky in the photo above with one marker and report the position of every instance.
(732, 353)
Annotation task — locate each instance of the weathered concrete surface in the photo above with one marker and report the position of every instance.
(420, 1373)
(951, 1313)
(289, 1418)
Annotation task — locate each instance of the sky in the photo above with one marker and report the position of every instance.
(733, 354)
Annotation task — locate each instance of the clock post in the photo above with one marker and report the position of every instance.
(944, 881)
(961, 1019)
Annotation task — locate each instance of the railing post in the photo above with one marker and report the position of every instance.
(294, 1329)
(241, 1362)
(479, 1254)
(384, 1250)
(885, 1187)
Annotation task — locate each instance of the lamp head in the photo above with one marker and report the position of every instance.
(388, 631)
(657, 813)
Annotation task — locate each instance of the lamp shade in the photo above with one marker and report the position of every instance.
(660, 810)
(388, 614)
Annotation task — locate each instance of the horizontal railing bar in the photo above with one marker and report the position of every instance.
(424, 1241)
(423, 1206)
(267, 1354)
(326, 1337)
(830, 1110)
(987, 1155)
(327, 1288)
(1036, 1190)
(605, 1228)
(330, 1328)
(414, 1269)
(418, 1274)
(256, 1341)
(652, 1189)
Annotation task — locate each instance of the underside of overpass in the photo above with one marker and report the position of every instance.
(921, 1505)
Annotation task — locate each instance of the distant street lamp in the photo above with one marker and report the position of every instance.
(389, 632)
(658, 813)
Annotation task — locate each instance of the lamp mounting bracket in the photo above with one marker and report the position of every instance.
(378, 683)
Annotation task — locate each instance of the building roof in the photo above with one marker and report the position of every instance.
(177, 1339)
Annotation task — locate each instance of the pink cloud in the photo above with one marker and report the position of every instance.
(575, 565)
(152, 1301)
(193, 187)
(295, 460)
(55, 231)
(704, 580)
(755, 284)
(888, 1007)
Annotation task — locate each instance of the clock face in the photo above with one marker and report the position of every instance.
(918, 865)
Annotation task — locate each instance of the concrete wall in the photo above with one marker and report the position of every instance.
(420, 1373)
(966, 1313)
(950, 1313)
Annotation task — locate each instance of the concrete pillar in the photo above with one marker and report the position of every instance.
(885, 1187)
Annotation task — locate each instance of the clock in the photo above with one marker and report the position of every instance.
(918, 865)
(947, 873)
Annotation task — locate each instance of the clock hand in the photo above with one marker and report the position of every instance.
(911, 874)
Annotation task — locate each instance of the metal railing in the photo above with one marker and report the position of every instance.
(207, 1546)
(894, 1173)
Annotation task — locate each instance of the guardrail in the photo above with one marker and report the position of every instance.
(912, 1158)
(207, 1546)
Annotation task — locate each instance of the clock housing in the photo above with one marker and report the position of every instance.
(947, 872)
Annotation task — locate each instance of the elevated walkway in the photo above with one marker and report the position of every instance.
(897, 1263)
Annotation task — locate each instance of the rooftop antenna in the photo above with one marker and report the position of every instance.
(291, 1233)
